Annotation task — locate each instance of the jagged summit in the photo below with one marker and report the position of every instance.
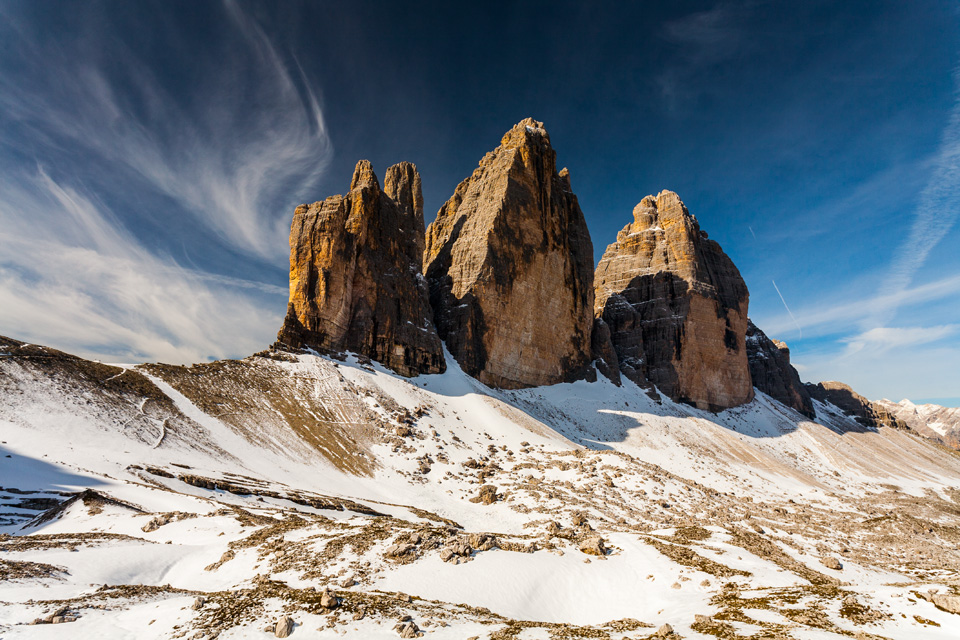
(355, 282)
(676, 307)
(510, 266)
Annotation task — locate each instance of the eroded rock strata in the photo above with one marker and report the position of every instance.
(773, 374)
(676, 306)
(355, 279)
(510, 266)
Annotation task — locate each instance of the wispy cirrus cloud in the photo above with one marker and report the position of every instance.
(841, 316)
(884, 338)
(222, 125)
(73, 277)
(125, 139)
(936, 212)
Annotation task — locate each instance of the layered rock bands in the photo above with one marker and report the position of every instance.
(676, 307)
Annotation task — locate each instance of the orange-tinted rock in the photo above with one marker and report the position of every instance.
(510, 266)
(355, 281)
(676, 306)
(773, 374)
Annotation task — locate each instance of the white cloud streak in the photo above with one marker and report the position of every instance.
(836, 317)
(72, 277)
(248, 133)
(884, 338)
(936, 212)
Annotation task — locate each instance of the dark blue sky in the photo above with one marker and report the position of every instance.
(151, 155)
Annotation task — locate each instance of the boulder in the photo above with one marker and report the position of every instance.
(593, 546)
(676, 307)
(284, 627)
(328, 600)
(772, 373)
(486, 495)
(355, 280)
(510, 266)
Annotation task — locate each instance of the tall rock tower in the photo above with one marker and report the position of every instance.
(355, 280)
(510, 267)
(676, 307)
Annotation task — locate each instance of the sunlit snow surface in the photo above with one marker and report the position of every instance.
(685, 501)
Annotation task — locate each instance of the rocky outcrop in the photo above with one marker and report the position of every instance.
(355, 281)
(773, 374)
(676, 307)
(510, 266)
(941, 424)
(868, 414)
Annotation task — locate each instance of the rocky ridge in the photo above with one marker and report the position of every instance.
(510, 266)
(772, 373)
(355, 281)
(866, 413)
(676, 306)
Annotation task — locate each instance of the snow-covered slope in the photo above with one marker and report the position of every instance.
(223, 496)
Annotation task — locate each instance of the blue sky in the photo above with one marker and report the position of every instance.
(152, 153)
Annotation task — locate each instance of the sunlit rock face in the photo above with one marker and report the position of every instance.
(773, 374)
(355, 280)
(510, 266)
(676, 307)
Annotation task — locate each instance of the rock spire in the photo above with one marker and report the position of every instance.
(676, 307)
(510, 266)
(355, 280)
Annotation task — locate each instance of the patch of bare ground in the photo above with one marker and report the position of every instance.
(69, 541)
(689, 558)
(24, 570)
(321, 407)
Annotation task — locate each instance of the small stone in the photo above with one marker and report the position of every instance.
(408, 629)
(593, 546)
(328, 600)
(399, 550)
(664, 631)
(198, 603)
(486, 495)
(831, 563)
(284, 627)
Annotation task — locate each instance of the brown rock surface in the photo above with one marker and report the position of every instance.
(676, 307)
(355, 282)
(773, 374)
(510, 266)
(840, 395)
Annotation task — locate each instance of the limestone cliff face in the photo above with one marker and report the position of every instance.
(773, 374)
(676, 307)
(355, 281)
(510, 266)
